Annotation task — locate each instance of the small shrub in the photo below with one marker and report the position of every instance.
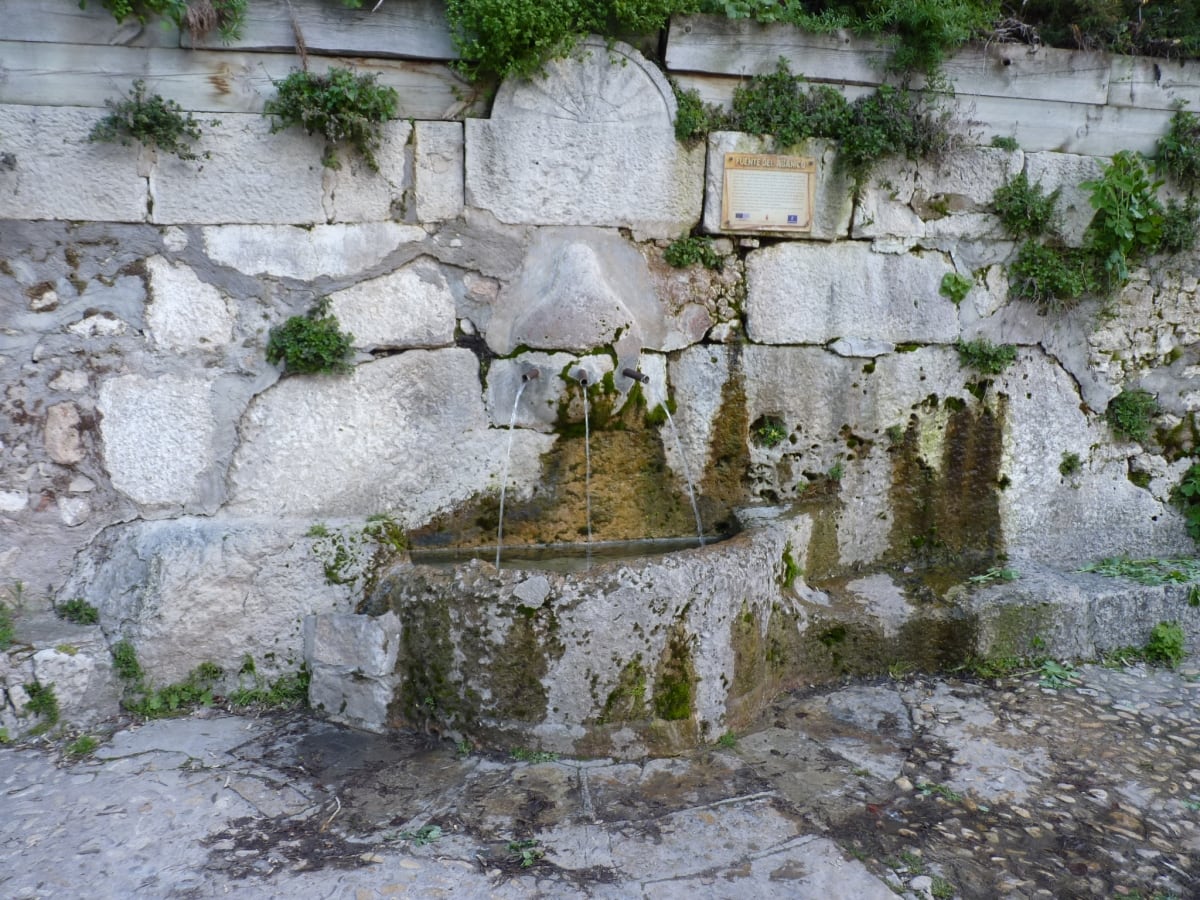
(343, 107)
(197, 17)
(1129, 217)
(1165, 645)
(694, 118)
(195, 690)
(1131, 414)
(152, 121)
(688, 251)
(1179, 229)
(774, 104)
(1070, 465)
(1005, 142)
(1024, 209)
(791, 568)
(43, 702)
(287, 691)
(769, 431)
(1186, 495)
(728, 740)
(7, 629)
(82, 746)
(310, 344)
(955, 287)
(125, 662)
(1177, 154)
(984, 356)
(78, 611)
(1054, 278)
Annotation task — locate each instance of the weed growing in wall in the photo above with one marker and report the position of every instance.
(7, 629)
(984, 356)
(1131, 414)
(1186, 495)
(1165, 646)
(690, 251)
(1129, 217)
(197, 17)
(78, 611)
(1053, 277)
(150, 120)
(342, 106)
(955, 287)
(311, 344)
(1177, 153)
(1025, 210)
(694, 118)
(1179, 226)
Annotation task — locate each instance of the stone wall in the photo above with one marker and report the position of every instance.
(155, 465)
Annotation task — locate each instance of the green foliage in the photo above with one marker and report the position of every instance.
(929, 788)
(423, 836)
(955, 287)
(1024, 209)
(1054, 278)
(1148, 571)
(791, 568)
(774, 104)
(942, 889)
(125, 661)
(82, 745)
(195, 690)
(527, 852)
(1179, 227)
(197, 17)
(1005, 142)
(1057, 675)
(769, 431)
(342, 106)
(524, 754)
(1177, 153)
(1186, 495)
(995, 573)
(152, 121)
(984, 356)
(923, 32)
(728, 740)
(1165, 646)
(688, 251)
(288, 691)
(1131, 414)
(1121, 26)
(348, 554)
(1129, 217)
(311, 344)
(1070, 465)
(694, 118)
(43, 702)
(78, 611)
(836, 471)
(7, 629)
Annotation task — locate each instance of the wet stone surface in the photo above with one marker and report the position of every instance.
(923, 787)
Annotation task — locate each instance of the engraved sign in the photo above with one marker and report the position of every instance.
(768, 193)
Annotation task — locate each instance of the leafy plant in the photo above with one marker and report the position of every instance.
(1129, 217)
(1177, 153)
(125, 661)
(1165, 645)
(524, 754)
(152, 121)
(527, 852)
(423, 836)
(197, 17)
(311, 344)
(82, 745)
(342, 106)
(955, 287)
(694, 118)
(995, 573)
(287, 691)
(791, 568)
(929, 788)
(688, 251)
(1005, 142)
(1186, 495)
(1179, 227)
(43, 702)
(7, 629)
(1054, 278)
(728, 740)
(1056, 675)
(1131, 414)
(984, 356)
(1147, 571)
(195, 690)
(1025, 209)
(78, 611)
(1070, 465)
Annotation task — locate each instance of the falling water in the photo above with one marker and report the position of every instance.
(686, 475)
(512, 421)
(587, 472)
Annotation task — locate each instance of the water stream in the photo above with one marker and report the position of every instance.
(587, 471)
(512, 422)
(687, 475)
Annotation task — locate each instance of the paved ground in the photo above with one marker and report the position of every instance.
(924, 787)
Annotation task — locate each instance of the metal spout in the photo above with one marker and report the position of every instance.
(581, 376)
(636, 375)
(530, 374)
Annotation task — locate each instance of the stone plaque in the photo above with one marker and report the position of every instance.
(763, 192)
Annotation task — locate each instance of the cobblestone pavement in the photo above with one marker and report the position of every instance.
(1047, 783)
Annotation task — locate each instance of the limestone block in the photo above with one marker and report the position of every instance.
(74, 510)
(812, 294)
(306, 253)
(193, 590)
(248, 176)
(13, 501)
(411, 307)
(405, 435)
(351, 643)
(832, 201)
(590, 141)
(359, 702)
(698, 379)
(157, 436)
(184, 312)
(883, 209)
(581, 288)
(1066, 172)
(439, 161)
(355, 193)
(966, 179)
(58, 174)
(61, 434)
(540, 398)
(83, 681)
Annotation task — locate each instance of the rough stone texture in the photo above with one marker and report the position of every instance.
(355, 193)
(191, 590)
(1066, 172)
(411, 307)
(812, 294)
(58, 174)
(306, 253)
(832, 202)
(184, 312)
(61, 434)
(540, 397)
(590, 141)
(376, 441)
(352, 660)
(698, 377)
(438, 163)
(158, 437)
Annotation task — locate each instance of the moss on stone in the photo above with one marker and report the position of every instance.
(675, 679)
(627, 701)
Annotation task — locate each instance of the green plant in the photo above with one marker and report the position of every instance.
(1131, 414)
(1186, 495)
(152, 121)
(1129, 217)
(836, 471)
(342, 106)
(423, 836)
(7, 628)
(125, 661)
(1024, 209)
(995, 573)
(82, 745)
(769, 432)
(1054, 278)
(1070, 465)
(688, 251)
(1179, 228)
(527, 852)
(775, 104)
(524, 754)
(728, 740)
(694, 118)
(1177, 153)
(78, 611)
(791, 568)
(928, 788)
(311, 344)
(1005, 142)
(43, 702)
(955, 287)
(195, 690)
(288, 691)
(1056, 675)
(1147, 571)
(197, 17)
(941, 889)
(984, 356)
(1165, 645)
